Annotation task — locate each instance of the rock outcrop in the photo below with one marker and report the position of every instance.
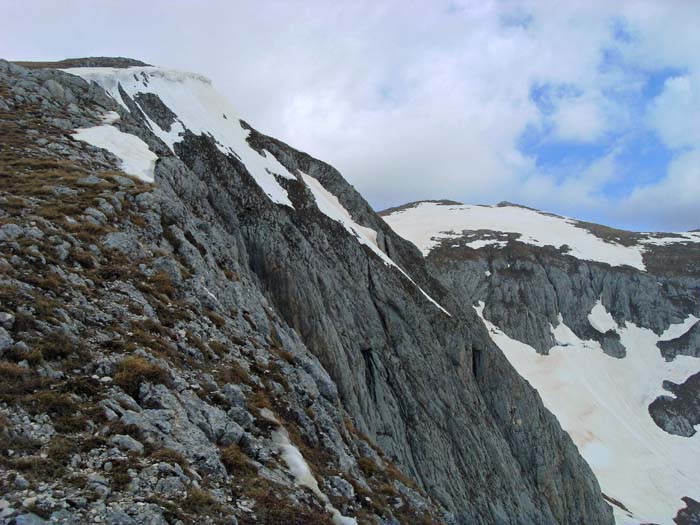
(527, 288)
(149, 331)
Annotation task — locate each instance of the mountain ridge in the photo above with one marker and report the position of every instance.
(233, 335)
(609, 342)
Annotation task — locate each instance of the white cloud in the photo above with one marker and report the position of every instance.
(674, 199)
(579, 119)
(675, 113)
(409, 100)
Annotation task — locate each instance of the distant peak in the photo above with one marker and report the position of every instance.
(507, 204)
(116, 62)
(443, 202)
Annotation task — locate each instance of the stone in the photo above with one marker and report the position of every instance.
(20, 482)
(233, 394)
(6, 341)
(90, 180)
(124, 243)
(341, 487)
(127, 443)
(119, 517)
(10, 232)
(29, 519)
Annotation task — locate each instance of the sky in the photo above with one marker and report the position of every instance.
(590, 109)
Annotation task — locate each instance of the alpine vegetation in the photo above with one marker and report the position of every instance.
(602, 322)
(201, 324)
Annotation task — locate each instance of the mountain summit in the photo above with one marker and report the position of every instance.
(201, 324)
(605, 325)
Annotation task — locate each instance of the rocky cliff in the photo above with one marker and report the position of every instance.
(603, 322)
(201, 324)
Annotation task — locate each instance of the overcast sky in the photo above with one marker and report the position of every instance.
(589, 109)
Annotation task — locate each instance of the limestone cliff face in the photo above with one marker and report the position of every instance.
(649, 334)
(351, 345)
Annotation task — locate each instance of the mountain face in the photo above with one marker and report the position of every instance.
(603, 323)
(200, 324)
(230, 321)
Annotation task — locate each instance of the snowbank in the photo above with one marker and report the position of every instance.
(299, 468)
(602, 402)
(330, 206)
(199, 109)
(136, 159)
(428, 223)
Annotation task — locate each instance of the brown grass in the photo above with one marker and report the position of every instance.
(168, 455)
(133, 371)
(236, 462)
(199, 502)
(216, 319)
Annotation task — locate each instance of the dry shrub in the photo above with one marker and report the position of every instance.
(274, 507)
(233, 372)
(236, 461)
(61, 449)
(168, 455)
(199, 501)
(51, 403)
(134, 370)
(216, 319)
(218, 348)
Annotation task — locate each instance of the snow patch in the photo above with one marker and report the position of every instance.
(428, 223)
(678, 237)
(135, 157)
(110, 117)
(602, 402)
(199, 109)
(601, 319)
(329, 205)
(676, 330)
(299, 468)
(480, 243)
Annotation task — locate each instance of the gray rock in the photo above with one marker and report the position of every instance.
(20, 482)
(10, 232)
(233, 394)
(29, 519)
(124, 243)
(7, 320)
(96, 214)
(341, 487)
(127, 443)
(119, 517)
(90, 180)
(6, 341)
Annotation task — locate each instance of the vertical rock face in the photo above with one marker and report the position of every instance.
(609, 345)
(311, 270)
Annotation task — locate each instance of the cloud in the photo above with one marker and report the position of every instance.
(674, 199)
(579, 119)
(675, 113)
(416, 100)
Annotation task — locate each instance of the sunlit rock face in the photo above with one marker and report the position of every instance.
(175, 274)
(602, 322)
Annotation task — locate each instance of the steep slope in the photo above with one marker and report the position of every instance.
(239, 304)
(602, 322)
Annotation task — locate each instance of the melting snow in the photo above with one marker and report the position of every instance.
(199, 109)
(427, 223)
(601, 319)
(330, 206)
(602, 402)
(136, 159)
(299, 468)
(680, 237)
(480, 243)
